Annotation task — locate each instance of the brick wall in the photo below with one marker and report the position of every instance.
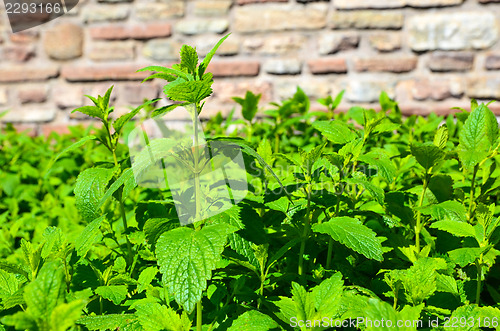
(428, 54)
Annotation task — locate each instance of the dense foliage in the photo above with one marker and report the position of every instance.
(353, 220)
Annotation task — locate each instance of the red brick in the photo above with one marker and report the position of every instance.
(396, 65)
(47, 129)
(327, 66)
(18, 53)
(101, 73)
(32, 94)
(493, 62)
(451, 61)
(224, 91)
(29, 129)
(22, 73)
(135, 93)
(138, 31)
(245, 2)
(234, 68)
(24, 37)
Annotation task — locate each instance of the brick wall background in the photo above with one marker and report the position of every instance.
(428, 54)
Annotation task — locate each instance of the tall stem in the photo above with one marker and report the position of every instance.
(199, 316)
(305, 233)
(197, 189)
(472, 188)
(418, 224)
(479, 267)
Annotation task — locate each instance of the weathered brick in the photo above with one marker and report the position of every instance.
(4, 98)
(59, 128)
(18, 53)
(245, 2)
(483, 87)
(64, 42)
(112, 50)
(135, 94)
(30, 114)
(449, 61)
(105, 13)
(367, 90)
(387, 64)
(234, 68)
(68, 96)
(162, 50)
(493, 61)
(230, 46)
(425, 89)
(224, 91)
(198, 26)
(274, 45)
(489, 1)
(368, 4)
(333, 42)
(137, 31)
(314, 89)
(366, 19)
(385, 42)
(88, 73)
(28, 128)
(24, 37)
(327, 66)
(212, 7)
(159, 11)
(19, 73)
(283, 66)
(254, 19)
(32, 94)
(452, 31)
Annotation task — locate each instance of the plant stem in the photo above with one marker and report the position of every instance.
(199, 316)
(479, 267)
(197, 189)
(329, 255)
(305, 233)
(418, 225)
(472, 188)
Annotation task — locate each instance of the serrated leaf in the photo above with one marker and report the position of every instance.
(445, 283)
(441, 137)
(53, 240)
(335, 131)
(327, 295)
(375, 191)
(187, 258)
(477, 136)
(465, 256)
(145, 278)
(459, 229)
(253, 320)
(64, 315)
(89, 236)
(427, 154)
(92, 111)
(189, 58)
(204, 64)
(353, 234)
(382, 162)
(249, 105)
(89, 189)
(44, 293)
(124, 119)
(8, 284)
(192, 91)
(156, 317)
(106, 322)
(448, 210)
(304, 307)
(114, 293)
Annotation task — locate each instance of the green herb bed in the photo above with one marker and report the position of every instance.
(359, 220)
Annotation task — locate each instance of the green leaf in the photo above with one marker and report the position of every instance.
(156, 317)
(466, 255)
(448, 210)
(445, 283)
(336, 131)
(183, 253)
(53, 240)
(204, 64)
(64, 315)
(92, 111)
(89, 236)
(304, 306)
(477, 136)
(89, 189)
(14, 268)
(8, 284)
(441, 137)
(145, 278)
(189, 58)
(375, 191)
(124, 119)
(44, 293)
(327, 295)
(193, 91)
(106, 322)
(127, 179)
(114, 293)
(381, 160)
(427, 154)
(353, 234)
(253, 320)
(459, 229)
(249, 105)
